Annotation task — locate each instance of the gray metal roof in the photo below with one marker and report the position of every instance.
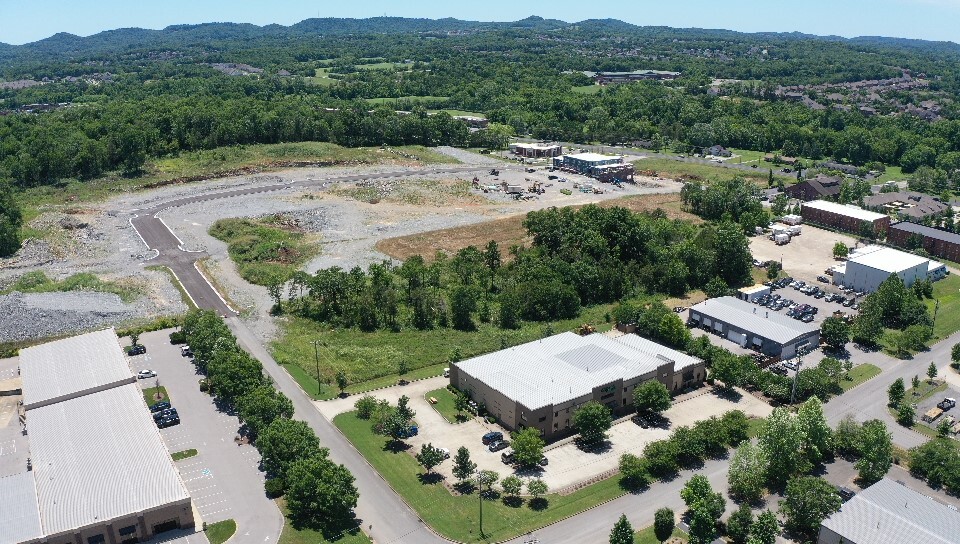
(929, 232)
(98, 457)
(19, 514)
(567, 366)
(63, 368)
(756, 319)
(889, 512)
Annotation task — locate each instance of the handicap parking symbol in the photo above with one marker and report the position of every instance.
(206, 472)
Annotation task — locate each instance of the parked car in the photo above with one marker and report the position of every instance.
(144, 374)
(819, 294)
(185, 351)
(543, 461)
(641, 421)
(412, 431)
(445, 452)
(168, 422)
(856, 306)
(849, 302)
(499, 445)
(491, 437)
(823, 279)
(160, 406)
(507, 457)
(169, 412)
(807, 318)
(138, 349)
(792, 365)
(845, 493)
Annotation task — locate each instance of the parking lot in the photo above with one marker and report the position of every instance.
(951, 414)
(783, 299)
(806, 256)
(223, 479)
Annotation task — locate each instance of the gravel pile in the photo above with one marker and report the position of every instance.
(33, 315)
(312, 220)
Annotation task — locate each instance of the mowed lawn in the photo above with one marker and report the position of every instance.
(947, 293)
(672, 169)
(371, 360)
(858, 375)
(445, 405)
(302, 535)
(456, 516)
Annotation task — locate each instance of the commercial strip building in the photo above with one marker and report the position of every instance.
(596, 165)
(540, 384)
(605, 78)
(100, 471)
(843, 217)
(536, 150)
(867, 267)
(936, 242)
(888, 512)
(754, 327)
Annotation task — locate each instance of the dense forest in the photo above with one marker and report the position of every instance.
(121, 97)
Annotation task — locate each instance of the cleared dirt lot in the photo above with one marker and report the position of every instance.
(568, 465)
(806, 256)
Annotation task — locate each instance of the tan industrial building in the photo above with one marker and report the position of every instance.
(541, 384)
(99, 472)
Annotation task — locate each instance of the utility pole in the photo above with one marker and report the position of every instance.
(793, 392)
(316, 359)
(480, 494)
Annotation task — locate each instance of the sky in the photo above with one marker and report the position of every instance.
(23, 21)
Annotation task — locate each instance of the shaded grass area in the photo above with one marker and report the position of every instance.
(456, 516)
(266, 251)
(184, 296)
(647, 536)
(219, 162)
(587, 89)
(38, 282)
(221, 531)
(371, 359)
(947, 292)
(155, 394)
(669, 168)
(445, 405)
(754, 426)
(303, 535)
(509, 231)
(185, 454)
(860, 374)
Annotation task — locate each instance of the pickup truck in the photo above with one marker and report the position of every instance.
(946, 404)
(932, 415)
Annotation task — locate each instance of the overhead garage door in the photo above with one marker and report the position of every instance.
(718, 326)
(738, 337)
(707, 322)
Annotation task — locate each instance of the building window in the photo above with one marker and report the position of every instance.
(542, 419)
(607, 396)
(95, 539)
(555, 425)
(128, 530)
(624, 402)
(523, 416)
(556, 414)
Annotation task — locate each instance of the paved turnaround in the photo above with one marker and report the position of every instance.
(171, 253)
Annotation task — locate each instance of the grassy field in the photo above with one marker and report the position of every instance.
(892, 173)
(947, 292)
(185, 454)
(321, 78)
(669, 168)
(587, 89)
(445, 406)
(294, 535)
(748, 156)
(647, 536)
(371, 360)
(221, 531)
(150, 394)
(38, 282)
(455, 516)
(860, 374)
(220, 162)
(509, 231)
(266, 251)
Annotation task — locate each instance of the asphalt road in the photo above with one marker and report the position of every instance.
(171, 253)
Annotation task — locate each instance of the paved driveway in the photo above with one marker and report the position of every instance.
(224, 479)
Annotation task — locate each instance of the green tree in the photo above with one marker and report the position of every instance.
(283, 442)
(403, 409)
(955, 353)
(867, 327)
(943, 428)
(932, 371)
(592, 421)
(698, 491)
(773, 270)
(462, 403)
(622, 532)
(536, 488)
(509, 314)
(808, 501)
(835, 332)
(633, 472)
(937, 461)
(429, 456)
(817, 434)
(716, 288)
(511, 485)
(735, 426)
(661, 458)
(738, 526)
(463, 302)
(527, 447)
(703, 525)
(915, 383)
(463, 466)
(846, 437)
(748, 472)
(11, 219)
(341, 381)
(876, 451)
(779, 205)
(664, 522)
(896, 392)
(365, 406)
(840, 250)
(783, 442)
(320, 493)
(906, 415)
(765, 529)
(259, 407)
(651, 397)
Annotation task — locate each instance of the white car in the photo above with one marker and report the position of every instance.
(445, 452)
(144, 374)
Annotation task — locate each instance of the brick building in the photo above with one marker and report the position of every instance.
(846, 218)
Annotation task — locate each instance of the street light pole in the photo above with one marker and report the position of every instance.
(316, 359)
(793, 392)
(480, 494)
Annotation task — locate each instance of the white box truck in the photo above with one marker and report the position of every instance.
(781, 239)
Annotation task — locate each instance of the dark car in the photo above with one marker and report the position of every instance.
(819, 294)
(641, 421)
(491, 437)
(543, 461)
(499, 445)
(845, 493)
(138, 349)
(849, 302)
(169, 412)
(823, 279)
(807, 318)
(160, 406)
(168, 422)
(507, 457)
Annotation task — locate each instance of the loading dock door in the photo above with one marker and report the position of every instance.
(707, 322)
(738, 337)
(718, 326)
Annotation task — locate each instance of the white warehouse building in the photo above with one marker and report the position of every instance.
(867, 267)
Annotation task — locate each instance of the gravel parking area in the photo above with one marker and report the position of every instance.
(806, 256)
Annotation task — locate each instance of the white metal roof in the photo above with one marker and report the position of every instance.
(538, 145)
(885, 259)
(73, 365)
(19, 514)
(756, 319)
(566, 366)
(98, 457)
(639, 343)
(592, 157)
(843, 209)
(754, 289)
(888, 512)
